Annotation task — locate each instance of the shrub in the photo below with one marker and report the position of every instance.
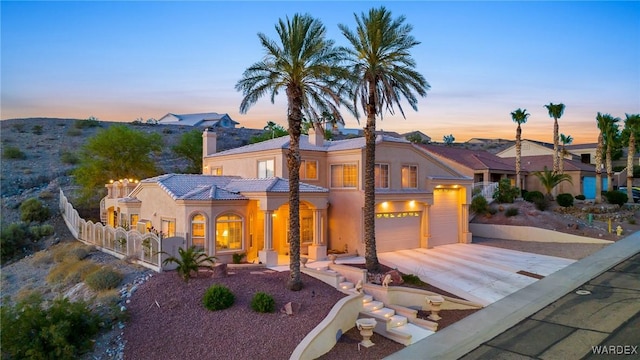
(218, 297)
(263, 303)
(237, 257)
(68, 157)
(565, 200)
(46, 195)
(12, 152)
(190, 261)
(412, 280)
(616, 197)
(62, 331)
(103, 279)
(13, 239)
(532, 196)
(523, 193)
(37, 129)
(512, 211)
(70, 252)
(87, 123)
(71, 272)
(74, 132)
(34, 210)
(479, 205)
(40, 231)
(505, 193)
(580, 197)
(542, 204)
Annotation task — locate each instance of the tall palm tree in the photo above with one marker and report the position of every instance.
(555, 111)
(307, 67)
(601, 123)
(611, 134)
(384, 72)
(565, 140)
(519, 117)
(631, 134)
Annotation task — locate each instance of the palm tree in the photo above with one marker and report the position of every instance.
(449, 139)
(555, 111)
(601, 122)
(631, 134)
(551, 179)
(383, 72)
(565, 140)
(611, 134)
(307, 67)
(519, 117)
(189, 261)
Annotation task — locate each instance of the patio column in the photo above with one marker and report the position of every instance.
(318, 251)
(426, 226)
(466, 235)
(267, 255)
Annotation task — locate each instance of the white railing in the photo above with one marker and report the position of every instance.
(143, 249)
(485, 189)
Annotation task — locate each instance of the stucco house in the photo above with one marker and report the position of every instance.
(199, 120)
(240, 202)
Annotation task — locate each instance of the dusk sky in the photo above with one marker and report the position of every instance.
(119, 61)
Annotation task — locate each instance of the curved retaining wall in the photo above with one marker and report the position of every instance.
(527, 233)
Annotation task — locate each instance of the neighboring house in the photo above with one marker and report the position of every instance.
(586, 152)
(240, 203)
(424, 138)
(199, 120)
(533, 148)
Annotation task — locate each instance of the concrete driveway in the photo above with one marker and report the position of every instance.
(478, 273)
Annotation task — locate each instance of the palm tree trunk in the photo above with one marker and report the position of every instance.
(609, 168)
(371, 255)
(561, 162)
(630, 153)
(293, 164)
(518, 155)
(556, 158)
(598, 199)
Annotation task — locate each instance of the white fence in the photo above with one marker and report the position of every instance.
(143, 249)
(485, 189)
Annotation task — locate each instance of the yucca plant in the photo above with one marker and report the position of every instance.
(189, 261)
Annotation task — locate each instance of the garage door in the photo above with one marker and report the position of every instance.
(444, 217)
(398, 230)
(589, 186)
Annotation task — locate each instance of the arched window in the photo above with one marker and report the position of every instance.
(198, 231)
(229, 232)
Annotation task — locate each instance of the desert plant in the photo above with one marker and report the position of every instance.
(479, 205)
(90, 122)
(70, 252)
(580, 197)
(40, 231)
(512, 211)
(68, 157)
(71, 272)
(61, 331)
(565, 200)
(13, 240)
(616, 197)
(542, 204)
(103, 279)
(37, 129)
(413, 280)
(531, 196)
(263, 303)
(218, 297)
(34, 210)
(237, 257)
(12, 152)
(550, 179)
(190, 260)
(505, 193)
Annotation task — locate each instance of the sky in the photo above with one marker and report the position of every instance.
(119, 61)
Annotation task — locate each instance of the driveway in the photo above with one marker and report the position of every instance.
(478, 273)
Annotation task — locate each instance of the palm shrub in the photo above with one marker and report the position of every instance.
(189, 261)
(550, 179)
(237, 257)
(263, 303)
(616, 197)
(505, 193)
(34, 210)
(218, 297)
(479, 205)
(565, 200)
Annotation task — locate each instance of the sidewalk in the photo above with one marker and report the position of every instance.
(548, 320)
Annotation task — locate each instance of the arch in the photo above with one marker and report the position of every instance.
(229, 232)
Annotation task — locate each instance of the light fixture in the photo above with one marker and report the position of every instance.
(412, 203)
(385, 205)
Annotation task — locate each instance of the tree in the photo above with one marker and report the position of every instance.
(307, 66)
(272, 131)
(555, 111)
(565, 140)
(189, 261)
(601, 123)
(519, 117)
(383, 72)
(631, 135)
(611, 134)
(190, 147)
(448, 139)
(551, 179)
(115, 153)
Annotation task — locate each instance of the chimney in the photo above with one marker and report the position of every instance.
(209, 141)
(316, 135)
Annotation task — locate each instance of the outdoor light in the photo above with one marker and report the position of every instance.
(412, 203)
(385, 204)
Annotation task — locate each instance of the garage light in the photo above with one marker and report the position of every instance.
(385, 204)
(412, 203)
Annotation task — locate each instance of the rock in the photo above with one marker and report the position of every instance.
(396, 278)
(290, 308)
(219, 270)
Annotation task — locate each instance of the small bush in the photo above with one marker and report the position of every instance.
(412, 280)
(565, 200)
(87, 123)
(479, 205)
(616, 197)
(580, 197)
(37, 129)
(542, 204)
(532, 196)
(218, 297)
(68, 157)
(40, 231)
(237, 257)
(505, 193)
(523, 193)
(13, 239)
(71, 272)
(12, 152)
(70, 252)
(103, 279)
(43, 257)
(512, 211)
(46, 195)
(263, 303)
(34, 210)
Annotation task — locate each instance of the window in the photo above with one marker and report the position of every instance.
(265, 169)
(308, 170)
(216, 171)
(344, 175)
(382, 176)
(133, 220)
(198, 231)
(585, 158)
(228, 232)
(409, 176)
(168, 227)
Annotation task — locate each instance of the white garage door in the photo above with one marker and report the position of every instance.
(398, 230)
(444, 217)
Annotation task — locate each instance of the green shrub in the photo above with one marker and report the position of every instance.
(580, 197)
(565, 200)
(412, 280)
(532, 196)
(46, 195)
(479, 205)
(218, 297)
(189, 261)
(34, 210)
(512, 211)
(263, 303)
(62, 331)
(523, 193)
(12, 152)
(40, 231)
(616, 197)
(68, 157)
(237, 257)
(542, 204)
(505, 193)
(103, 279)
(37, 129)
(71, 272)
(13, 239)
(87, 123)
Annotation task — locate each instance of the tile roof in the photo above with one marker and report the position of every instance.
(473, 159)
(538, 162)
(196, 119)
(273, 184)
